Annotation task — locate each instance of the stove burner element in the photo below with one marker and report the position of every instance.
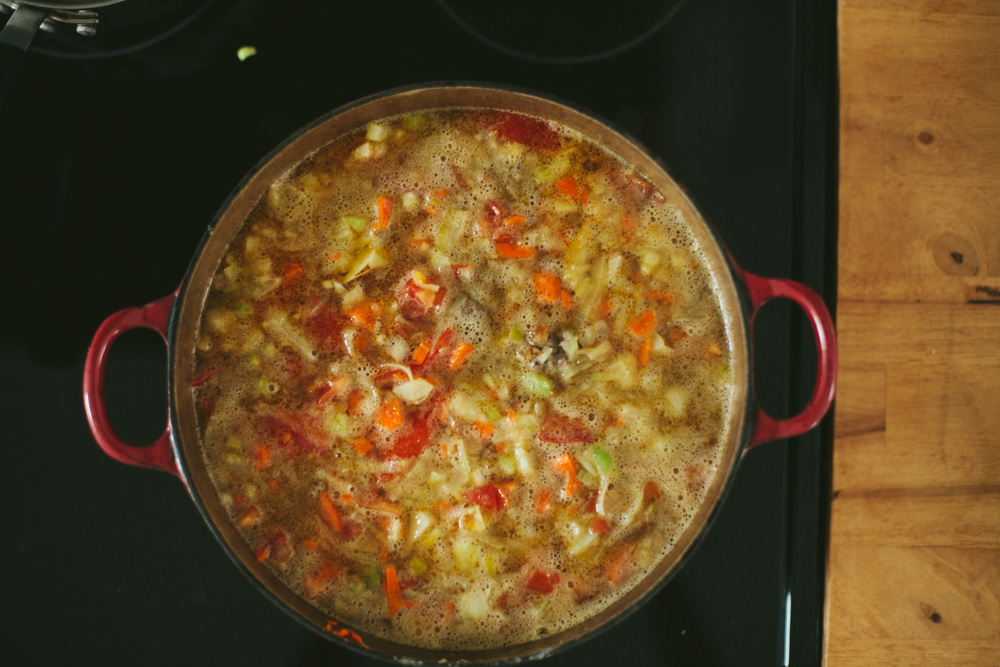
(562, 32)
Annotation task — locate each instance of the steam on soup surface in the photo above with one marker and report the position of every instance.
(462, 378)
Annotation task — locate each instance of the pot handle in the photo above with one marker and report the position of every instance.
(153, 316)
(763, 290)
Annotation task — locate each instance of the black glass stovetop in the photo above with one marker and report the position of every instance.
(111, 168)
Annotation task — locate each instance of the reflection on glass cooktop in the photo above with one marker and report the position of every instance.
(115, 167)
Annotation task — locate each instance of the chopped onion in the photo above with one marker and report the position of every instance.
(414, 391)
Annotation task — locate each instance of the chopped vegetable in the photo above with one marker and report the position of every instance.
(392, 592)
(390, 415)
(461, 354)
(511, 251)
(539, 385)
(547, 287)
(565, 465)
(543, 582)
(383, 211)
(644, 324)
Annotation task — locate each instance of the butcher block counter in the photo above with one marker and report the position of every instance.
(914, 561)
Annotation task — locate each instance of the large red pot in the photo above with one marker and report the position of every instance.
(176, 318)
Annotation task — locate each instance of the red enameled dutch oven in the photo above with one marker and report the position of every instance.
(176, 317)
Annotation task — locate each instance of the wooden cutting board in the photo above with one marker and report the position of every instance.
(914, 562)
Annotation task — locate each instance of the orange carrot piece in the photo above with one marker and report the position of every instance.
(390, 415)
(420, 354)
(605, 308)
(460, 355)
(566, 299)
(263, 553)
(629, 224)
(354, 400)
(365, 314)
(665, 298)
(263, 455)
(512, 415)
(511, 251)
(547, 287)
(393, 593)
(644, 324)
(568, 187)
(362, 446)
(294, 271)
(383, 205)
(565, 464)
(310, 545)
(484, 428)
(328, 512)
(599, 526)
(644, 350)
(543, 502)
(516, 220)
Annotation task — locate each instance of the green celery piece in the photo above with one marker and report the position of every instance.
(602, 457)
(413, 122)
(538, 384)
(356, 224)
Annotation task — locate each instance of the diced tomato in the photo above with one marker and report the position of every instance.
(568, 187)
(543, 502)
(486, 496)
(460, 178)
(324, 327)
(443, 341)
(531, 132)
(351, 530)
(494, 212)
(561, 430)
(281, 425)
(354, 400)
(650, 492)
(543, 582)
(417, 434)
(293, 271)
(332, 388)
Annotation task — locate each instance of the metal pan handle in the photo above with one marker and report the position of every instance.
(153, 316)
(763, 290)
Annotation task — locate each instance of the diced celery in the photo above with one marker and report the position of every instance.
(253, 361)
(376, 132)
(356, 224)
(515, 335)
(492, 413)
(542, 606)
(507, 464)
(267, 387)
(539, 385)
(234, 443)
(491, 567)
(602, 457)
(243, 310)
(270, 350)
(417, 566)
(372, 578)
(413, 122)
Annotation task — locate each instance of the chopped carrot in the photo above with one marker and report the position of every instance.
(644, 350)
(484, 428)
(334, 387)
(629, 224)
(263, 455)
(362, 446)
(346, 498)
(543, 502)
(443, 341)
(273, 485)
(618, 565)
(443, 450)
(460, 355)
(565, 464)
(383, 553)
(644, 324)
(502, 447)
(516, 220)
(310, 544)
(512, 415)
(383, 205)
(713, 349)
(547, 287)
(420, 354)
(294, 271)
(605, 308)
(566, 299)
(393, 593)
(317, 580)
(442, 506)
(335, 256)
(511, 251)
(568, 187)
(263, 553)
(665, 298)
(390, 415)
(328, 512)
(365, 313)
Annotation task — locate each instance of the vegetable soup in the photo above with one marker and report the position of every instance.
(462, 378)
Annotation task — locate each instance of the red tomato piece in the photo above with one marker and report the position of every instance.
(561, 430)
(487, 496)
(543, 582)
(531, 132)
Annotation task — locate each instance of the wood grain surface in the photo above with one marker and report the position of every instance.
(914, 562)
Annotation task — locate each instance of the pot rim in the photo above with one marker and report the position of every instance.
(743, 414)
